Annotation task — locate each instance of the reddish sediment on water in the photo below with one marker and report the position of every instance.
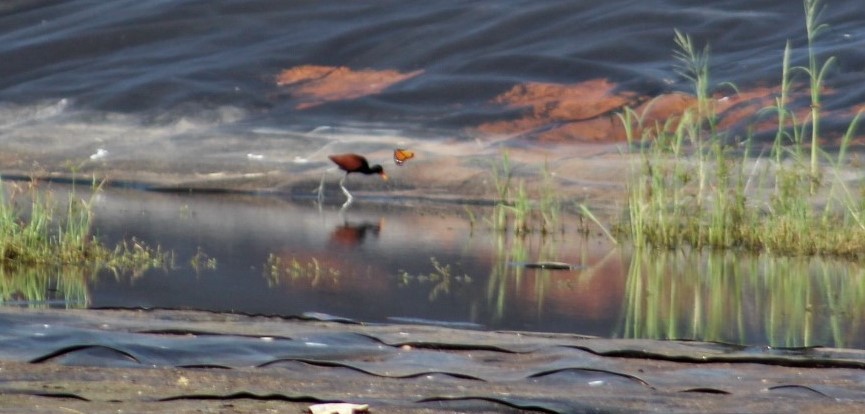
(573, 131)
(584, 111)
(314, 85)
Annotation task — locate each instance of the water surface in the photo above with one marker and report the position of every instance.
(432, 264)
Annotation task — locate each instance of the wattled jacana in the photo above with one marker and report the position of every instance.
(353, 163)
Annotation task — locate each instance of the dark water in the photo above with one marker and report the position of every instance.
(433, 264)
(214, 62)
(164, 84)
(369, 262)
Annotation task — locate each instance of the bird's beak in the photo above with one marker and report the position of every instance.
(384, 176)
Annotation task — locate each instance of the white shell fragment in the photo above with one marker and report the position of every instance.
(338, 408)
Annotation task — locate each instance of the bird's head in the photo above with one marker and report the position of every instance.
(380, 171)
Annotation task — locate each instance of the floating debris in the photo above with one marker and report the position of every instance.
(100, 153)
(547, 265)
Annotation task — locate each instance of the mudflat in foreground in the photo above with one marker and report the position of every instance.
(99, 361)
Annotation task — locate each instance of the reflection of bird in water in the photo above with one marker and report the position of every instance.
(352, 163)
(354, 234)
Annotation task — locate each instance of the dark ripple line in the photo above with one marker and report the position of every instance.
(192, 332)
(331, 364)
(743, 359)
(524, 407)
(599, 370)
(796, 386)
(245, 395)
(76, 348)
(438, 346)
(57, 395)
(707, 390)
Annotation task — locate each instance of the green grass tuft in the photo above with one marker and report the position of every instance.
(46, 243)
(37, 229)
(520, 209)
(690, 188)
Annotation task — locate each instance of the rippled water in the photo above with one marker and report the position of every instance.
(179, 91)
(153, 64)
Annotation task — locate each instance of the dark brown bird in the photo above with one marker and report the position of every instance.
(353, 163)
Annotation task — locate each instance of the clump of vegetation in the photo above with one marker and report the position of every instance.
(48, 253)
(520, 210)
(134, 257)
(277, 269)
(202, 261)
(37, 230)
(690, 188)
(442, 277)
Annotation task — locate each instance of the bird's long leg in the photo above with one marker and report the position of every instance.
(343, 209)
(321, 187)
(348, 195)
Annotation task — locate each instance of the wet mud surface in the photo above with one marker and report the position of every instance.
(185, 361)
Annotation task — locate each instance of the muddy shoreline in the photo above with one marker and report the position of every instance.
(265, 364)
(443, 170)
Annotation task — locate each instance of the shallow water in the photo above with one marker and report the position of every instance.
(418, 262)
(254, 95)
(370, 262)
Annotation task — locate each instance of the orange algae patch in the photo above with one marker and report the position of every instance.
(572, 110)
(578, 112)
(315, 85)
(586, 111)
(566, 102)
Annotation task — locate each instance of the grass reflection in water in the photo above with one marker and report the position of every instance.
(736, 298)
(45, 286)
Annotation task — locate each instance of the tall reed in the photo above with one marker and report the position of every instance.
(521, 209)
(691, 188)
(816, 76)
